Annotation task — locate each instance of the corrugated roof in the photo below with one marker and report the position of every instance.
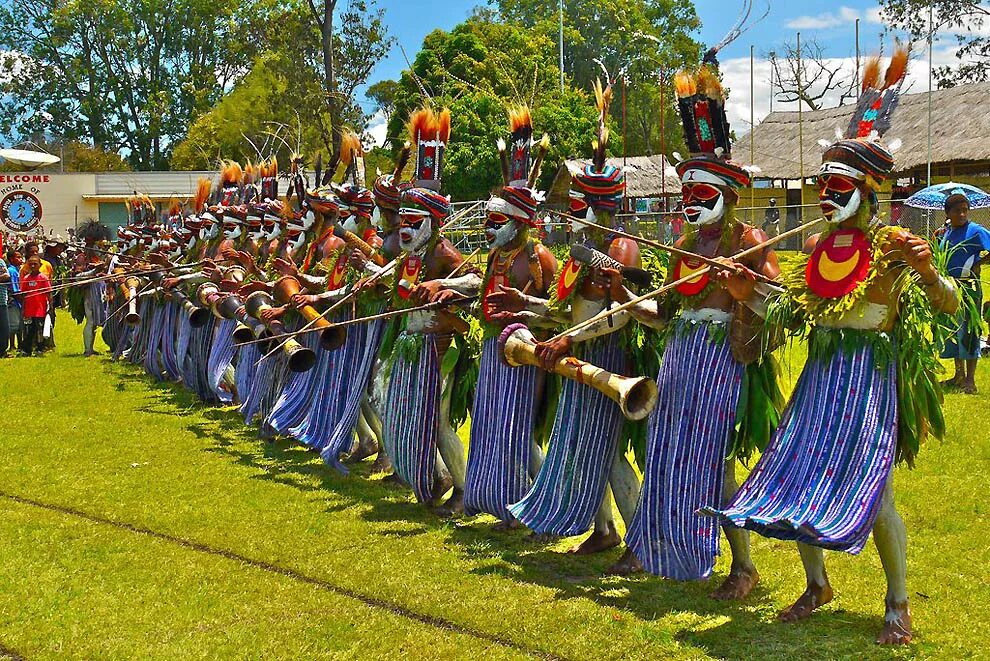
(960, 132)
(158, 184)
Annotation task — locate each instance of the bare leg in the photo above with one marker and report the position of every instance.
(890, 537)
(452, 451)
(818, 593)
(367, 444)
(743, 576)
(535, 459)
(604, 535)
(969, 382)
(625, 490)
(89, 329)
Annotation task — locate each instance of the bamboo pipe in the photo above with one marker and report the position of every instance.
(605, 314)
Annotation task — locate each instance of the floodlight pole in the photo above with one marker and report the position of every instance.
(561, 39)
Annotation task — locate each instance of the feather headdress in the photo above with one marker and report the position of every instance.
(430, 132)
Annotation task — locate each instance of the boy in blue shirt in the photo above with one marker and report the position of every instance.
(969, 244)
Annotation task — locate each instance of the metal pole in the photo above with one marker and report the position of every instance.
(857, 59)
(773, 59)
(928, 177)
(663, 158)
(800, 129)
(561, 36)
(752, 127)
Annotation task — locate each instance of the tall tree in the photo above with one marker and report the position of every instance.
(609, 31)
(383, 94)
(476, 69)
(966, 18)
(351, 44)
(809, 77)
(127, 75)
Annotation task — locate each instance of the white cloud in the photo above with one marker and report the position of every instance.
(377, 129)
(735, 74)
(825, 21)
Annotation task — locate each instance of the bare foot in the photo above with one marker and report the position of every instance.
(954, 382)
(506, 526)
(737, 585)
(813, 598)
(896, 625)
(440, 487)
(597, 542)
(382, 463)
(454, 505)
(627, 565)
(969, 388)
(364, 448)
(542, 538)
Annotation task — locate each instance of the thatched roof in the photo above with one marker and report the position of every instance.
(960, 132)
(642, 177)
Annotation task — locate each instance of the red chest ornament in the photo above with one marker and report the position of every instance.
(838, 263)
(494, 282)
(339, 273)
(684, 268)
(568, 279)
(409, 276)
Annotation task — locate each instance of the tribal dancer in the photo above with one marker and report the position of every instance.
(503, 451)
(868, 393)
(583, 457)
(88, 264)
(715, 392)
(420, 406)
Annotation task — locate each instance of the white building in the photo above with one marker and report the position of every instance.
(54, 202)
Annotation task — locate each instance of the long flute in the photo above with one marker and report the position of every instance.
(362, 320)
(674, 250)
(605, 314)
(112, 276)
(350, 295)
(375, 278)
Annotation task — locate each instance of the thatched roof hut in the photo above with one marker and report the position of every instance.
(960, 134)
(642, 177)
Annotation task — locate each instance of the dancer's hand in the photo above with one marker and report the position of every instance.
(549, 353)
(424, 293)
(285, 267)
(271, 314)
(302, 300)
(740, 281)
(506, 300)
(917, 254)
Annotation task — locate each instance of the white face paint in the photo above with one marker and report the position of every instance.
(232, 232)
(700, 214)
(257, 234)
(297, 243)
(501, 235)
(274, 231)
(351, 224)
(414, 239)
(577, 226)
(834, 213)
(308, 220)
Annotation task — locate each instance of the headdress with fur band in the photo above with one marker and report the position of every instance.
(429, 132)
(859, 154)
(602, 185)
(518, 198)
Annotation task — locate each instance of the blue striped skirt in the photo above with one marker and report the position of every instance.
(821, 479)
(95, 294)
(688, 437)
(141, 331)
(571, 484)
(363, 343)
(410, 426)
(296, 397)
(325, 394)
(220, 359)
(171, 364)
(501, 435)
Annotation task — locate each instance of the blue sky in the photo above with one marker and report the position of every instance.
(831, 23)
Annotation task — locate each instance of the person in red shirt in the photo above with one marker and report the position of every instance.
(36, 295)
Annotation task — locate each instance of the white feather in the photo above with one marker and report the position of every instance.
(895, 144)
(677, 157)
(838, 133)
(824, 144)
(500, 143)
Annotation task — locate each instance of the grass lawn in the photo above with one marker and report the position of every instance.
(136, 523)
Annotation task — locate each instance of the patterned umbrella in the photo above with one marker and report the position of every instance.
(934, 197)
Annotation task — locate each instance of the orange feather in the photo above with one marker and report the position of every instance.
(443, 125)
(871, 73)
(685, 85)
(202, 194)
(897, 68)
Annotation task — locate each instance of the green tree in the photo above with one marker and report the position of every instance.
(608, 30)
(477, 69)
(127, 75)
(966, 17)
(77, 157)
(383, 94)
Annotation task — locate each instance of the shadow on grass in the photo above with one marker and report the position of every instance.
(730, 630)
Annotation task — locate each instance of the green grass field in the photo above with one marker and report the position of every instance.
(135, 523)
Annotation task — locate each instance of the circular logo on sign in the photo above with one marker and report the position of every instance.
(20, 211)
